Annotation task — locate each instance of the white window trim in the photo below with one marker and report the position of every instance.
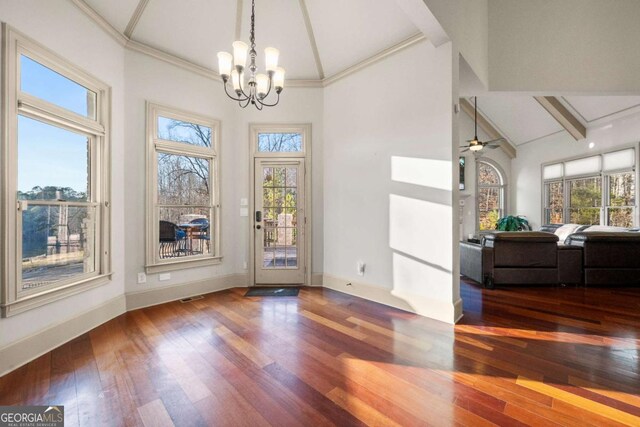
(153, 263)
(502, 187)
(604, 182)
(13, 300)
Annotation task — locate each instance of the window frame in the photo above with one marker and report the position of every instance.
(157, 145)
(16, 103)
(502, 188)
(605, 178)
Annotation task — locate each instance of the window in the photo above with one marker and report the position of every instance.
(595, 190)
(57, 165)
(554, 202)
(621, 196)
(491, 187)
(183, 210)
(585, 200)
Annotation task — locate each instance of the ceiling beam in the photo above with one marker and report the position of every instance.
(563, 116)
(312, 39)
(135, 18)
(238, 19)
(488, 128)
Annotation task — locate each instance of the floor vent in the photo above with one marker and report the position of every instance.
(185, 300)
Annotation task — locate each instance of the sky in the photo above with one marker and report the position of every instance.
(47, 155)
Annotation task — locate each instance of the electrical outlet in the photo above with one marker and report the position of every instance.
(142, 278)
(164, 276)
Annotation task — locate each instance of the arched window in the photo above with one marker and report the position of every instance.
(491, 190)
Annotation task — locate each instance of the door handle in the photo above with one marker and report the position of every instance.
(258, 227)
(258, 216)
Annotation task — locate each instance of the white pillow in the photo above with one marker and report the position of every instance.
(565, 231)
(607, 228)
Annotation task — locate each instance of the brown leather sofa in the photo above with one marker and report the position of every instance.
(609, 259)
(521, 258)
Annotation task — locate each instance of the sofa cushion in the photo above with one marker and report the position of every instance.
(520, 236)
(608, 250)
(523, 249)
(604, 228)
(564, 231)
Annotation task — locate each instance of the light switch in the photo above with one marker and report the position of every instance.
(244, 202)
(244, 212)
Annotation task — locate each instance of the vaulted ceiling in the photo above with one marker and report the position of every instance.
(521, 119)
(320, 40)
(316, 38)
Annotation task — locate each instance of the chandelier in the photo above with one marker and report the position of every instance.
(259, 86)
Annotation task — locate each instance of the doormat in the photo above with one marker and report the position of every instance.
(272, 292)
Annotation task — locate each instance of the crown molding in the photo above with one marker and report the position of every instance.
(161, 55)
(100, 21)
(416, 38)
(172, 59)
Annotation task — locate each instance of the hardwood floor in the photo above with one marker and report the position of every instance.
(537, 356)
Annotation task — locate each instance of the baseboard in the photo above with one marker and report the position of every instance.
(427, 307)
(316, 279)
(149, 297)
(33, 346)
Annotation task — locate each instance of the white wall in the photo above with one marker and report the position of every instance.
(526, 168)
(467, 23)
(469, 224)
(388, 176)
(568, 45)
(149, 79)
(61, 27)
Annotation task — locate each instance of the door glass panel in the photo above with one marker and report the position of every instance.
(280, 203)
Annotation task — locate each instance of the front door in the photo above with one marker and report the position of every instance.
(279, 219)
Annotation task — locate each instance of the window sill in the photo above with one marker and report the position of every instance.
(182, 264)
(40, 299)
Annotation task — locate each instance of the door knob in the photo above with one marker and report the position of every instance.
(258, 227)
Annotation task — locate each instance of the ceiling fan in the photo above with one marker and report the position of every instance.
(475, 144)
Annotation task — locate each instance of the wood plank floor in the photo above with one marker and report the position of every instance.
(537, 356)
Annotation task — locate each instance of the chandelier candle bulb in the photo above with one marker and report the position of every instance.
(225, 63)
(278, 78)
(240, 50)
(263, 85)
(235, 79)
(271, 58)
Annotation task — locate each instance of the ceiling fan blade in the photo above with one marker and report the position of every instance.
(494, 140)
(492, 147)
(465, 150)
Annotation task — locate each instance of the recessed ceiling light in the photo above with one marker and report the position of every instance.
(592, 144)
